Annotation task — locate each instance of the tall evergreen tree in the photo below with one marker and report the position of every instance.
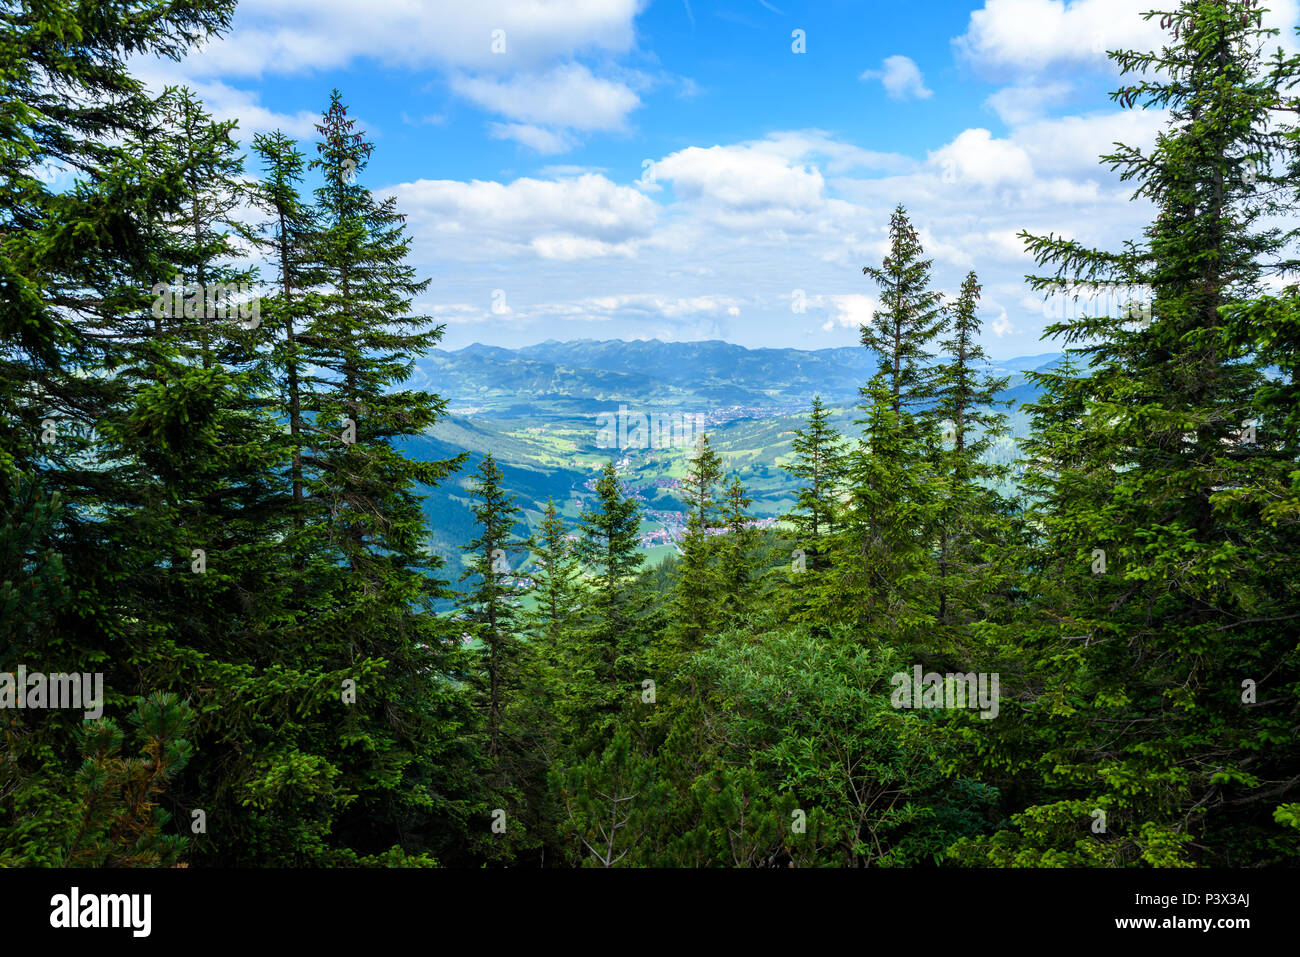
(818, 464)
(696, 591)
(880, 557)
(614, 636)
(911, 316)
(738, 555)
(1174, 649)
(967, 405)
(492, 606)
(287, 239)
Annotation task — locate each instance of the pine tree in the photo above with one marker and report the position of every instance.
(882, 550)
(556, 579)
(880, 557)
(910, 317)
(287, 239)
(362, 341)
(966, 403)
(82, 362)
(696, 591)
(738, 556)
(819, 463)
(555, 573)
(614, 636)
(492, 606)
(1174, 613)
(373, 583)
(542, 717)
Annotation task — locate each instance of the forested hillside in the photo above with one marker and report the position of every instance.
(536, 411)
(228, 431)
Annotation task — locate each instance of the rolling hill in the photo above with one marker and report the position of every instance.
(538, 409)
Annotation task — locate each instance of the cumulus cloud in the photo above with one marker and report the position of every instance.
(977, 157)
(1072, 145)
(738, 226)
(1035, 35)
(535, 138)
(582, 217)
(515, 59)
(741, 177)
(294, 36)
(1027, 100)
(851, 310)
(901, 78)
(226, 102)
(567, 96)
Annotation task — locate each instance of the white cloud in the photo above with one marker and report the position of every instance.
(295, 36)
(639, 307)
(546, 142)
(580, 217)
(646, 306)
(226, 102)
(1027, 100)
(977, 157)
(744, 177)
(1035, 35)
(567, 96)
(560, 170)
(566, 246)
(1072, 145)
(738, 226)
(516, 59)
(852, 310)
(901, 78)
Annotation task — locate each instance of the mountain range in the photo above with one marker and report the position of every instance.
(539, 409)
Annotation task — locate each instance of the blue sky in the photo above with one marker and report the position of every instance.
(675, 169)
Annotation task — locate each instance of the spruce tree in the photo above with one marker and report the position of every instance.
(555, 575)
(970, 511)
(696, 591)
(818, 463)
(492, 605)
(614, 635)
(1174, 648)
(911, 316)
(287, 239)
(738, 556)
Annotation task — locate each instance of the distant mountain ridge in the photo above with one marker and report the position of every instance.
(580, 376)
(537, 410)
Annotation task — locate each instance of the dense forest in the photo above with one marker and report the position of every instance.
(203, 381)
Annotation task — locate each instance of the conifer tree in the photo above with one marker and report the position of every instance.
(818, 463)
(880, 556)
(696, 591)
(1173, 618)
(288, 241)
(89, 176)
(967, 405)
(492, 606)
(614, 636)
(556, 579)
(882, 552)
(555, 573)
(911, 316)
(362, 342)
(738, 556)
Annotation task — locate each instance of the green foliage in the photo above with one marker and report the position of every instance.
(231, 517)
(107, 814)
